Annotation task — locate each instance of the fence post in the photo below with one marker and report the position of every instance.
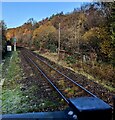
(114, 108)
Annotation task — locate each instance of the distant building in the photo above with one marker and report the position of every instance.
(9, 46)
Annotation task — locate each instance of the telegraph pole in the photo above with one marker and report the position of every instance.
(75, 32)
(79, 35)
(59, 44)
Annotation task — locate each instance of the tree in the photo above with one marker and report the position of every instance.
(45, 34)
(112, 30)
(3, 37)
(95, 39)
(109, 9)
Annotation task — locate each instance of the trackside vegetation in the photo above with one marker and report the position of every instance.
(20, 92)
(11, 94)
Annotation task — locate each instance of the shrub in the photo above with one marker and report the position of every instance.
(52, 47)
(36, 44)
(70, 59)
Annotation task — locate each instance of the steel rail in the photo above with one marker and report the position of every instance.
(65, 76)
(66, 100)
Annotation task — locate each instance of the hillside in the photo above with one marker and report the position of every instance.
(84, 30)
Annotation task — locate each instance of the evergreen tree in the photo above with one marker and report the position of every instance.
(112, 30)
(2, 37)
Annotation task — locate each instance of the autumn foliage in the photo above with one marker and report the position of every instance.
(83, 30)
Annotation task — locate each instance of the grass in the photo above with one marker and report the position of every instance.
(14, 100)
(11, 94)
(54, 58)
(90, 77)
(14, 71)
(11, 100)
(4, 66)
(1, 72)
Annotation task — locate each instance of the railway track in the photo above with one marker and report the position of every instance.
(40, 93)
(65, 86)
(92, 86)
(74, 95)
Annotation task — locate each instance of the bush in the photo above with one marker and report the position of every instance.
(36, 44)
(103, 72)
(52, 47)
(70, 59)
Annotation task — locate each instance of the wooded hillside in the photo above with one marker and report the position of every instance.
(90, 29)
